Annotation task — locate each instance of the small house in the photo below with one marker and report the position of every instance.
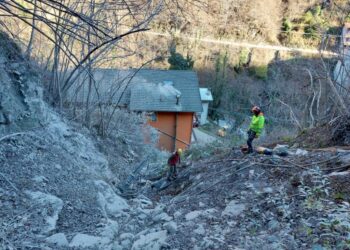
(170, 98)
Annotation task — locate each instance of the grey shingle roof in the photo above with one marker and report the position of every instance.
(145, 90)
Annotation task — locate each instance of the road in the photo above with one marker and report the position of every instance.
(202, 137)
(246, 44)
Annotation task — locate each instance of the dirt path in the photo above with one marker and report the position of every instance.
(202, 137)
(246, 44)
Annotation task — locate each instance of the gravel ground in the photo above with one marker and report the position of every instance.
(229, 203)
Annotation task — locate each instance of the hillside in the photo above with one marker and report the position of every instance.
(240, 75)
(232, 201)
(78, 174)
(58, 191)
(56, 188)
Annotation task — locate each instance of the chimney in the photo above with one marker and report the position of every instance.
(177, 99)
(168, 83)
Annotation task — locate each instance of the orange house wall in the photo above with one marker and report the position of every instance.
(182, 129)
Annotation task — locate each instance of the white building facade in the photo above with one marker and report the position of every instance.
(206, 98)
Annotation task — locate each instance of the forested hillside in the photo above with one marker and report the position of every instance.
(266, 76)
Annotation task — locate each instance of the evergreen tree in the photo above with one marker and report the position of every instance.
(178, 62)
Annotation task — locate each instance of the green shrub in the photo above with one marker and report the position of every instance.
(287, 25)
(347, 18)
(339, 196)
(259, 72)
(287, 139)
(308, 17)
(311, 32)
(243, 60)
(244, 56)
(317, 11)
(9, 47)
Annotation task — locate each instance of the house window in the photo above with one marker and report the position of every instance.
(152, 116)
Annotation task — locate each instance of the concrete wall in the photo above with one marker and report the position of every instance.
(204, 114)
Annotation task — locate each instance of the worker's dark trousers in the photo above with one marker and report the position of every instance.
(251, 137)
(172, 172)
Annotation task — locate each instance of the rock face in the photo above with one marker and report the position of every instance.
(47, 169)
(21, 104)
(192, 215)
(55, 190)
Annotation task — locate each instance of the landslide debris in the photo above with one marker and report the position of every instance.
(57, 191)
(334, 133)
(268, 202)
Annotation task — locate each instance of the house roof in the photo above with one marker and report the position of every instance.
(143, 90)
(205, 94)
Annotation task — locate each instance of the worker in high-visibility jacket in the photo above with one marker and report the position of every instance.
(256, 127)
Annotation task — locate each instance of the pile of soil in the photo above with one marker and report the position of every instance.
(334, 133)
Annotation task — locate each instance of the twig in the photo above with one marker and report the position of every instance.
(337, 168)
(212, 175)
(292, 115)
(313, 98)
(293, 163)
(9, 182)
(224, 160)
(12, 135)
(273, 165)
(250, 165)
(309, 164)
(184, 193)
(321, 162)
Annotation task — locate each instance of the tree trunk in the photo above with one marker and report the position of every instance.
(31, 40)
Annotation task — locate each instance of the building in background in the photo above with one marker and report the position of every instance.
(170, 98)
(206, 98)
(341, 71)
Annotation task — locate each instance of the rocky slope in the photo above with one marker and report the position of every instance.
(57, 191)
(55, 185)
(262, 202)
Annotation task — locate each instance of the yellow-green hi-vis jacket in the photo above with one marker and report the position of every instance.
(257, 123)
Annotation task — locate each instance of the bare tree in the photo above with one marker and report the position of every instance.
(72, 26)
(31, 40)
